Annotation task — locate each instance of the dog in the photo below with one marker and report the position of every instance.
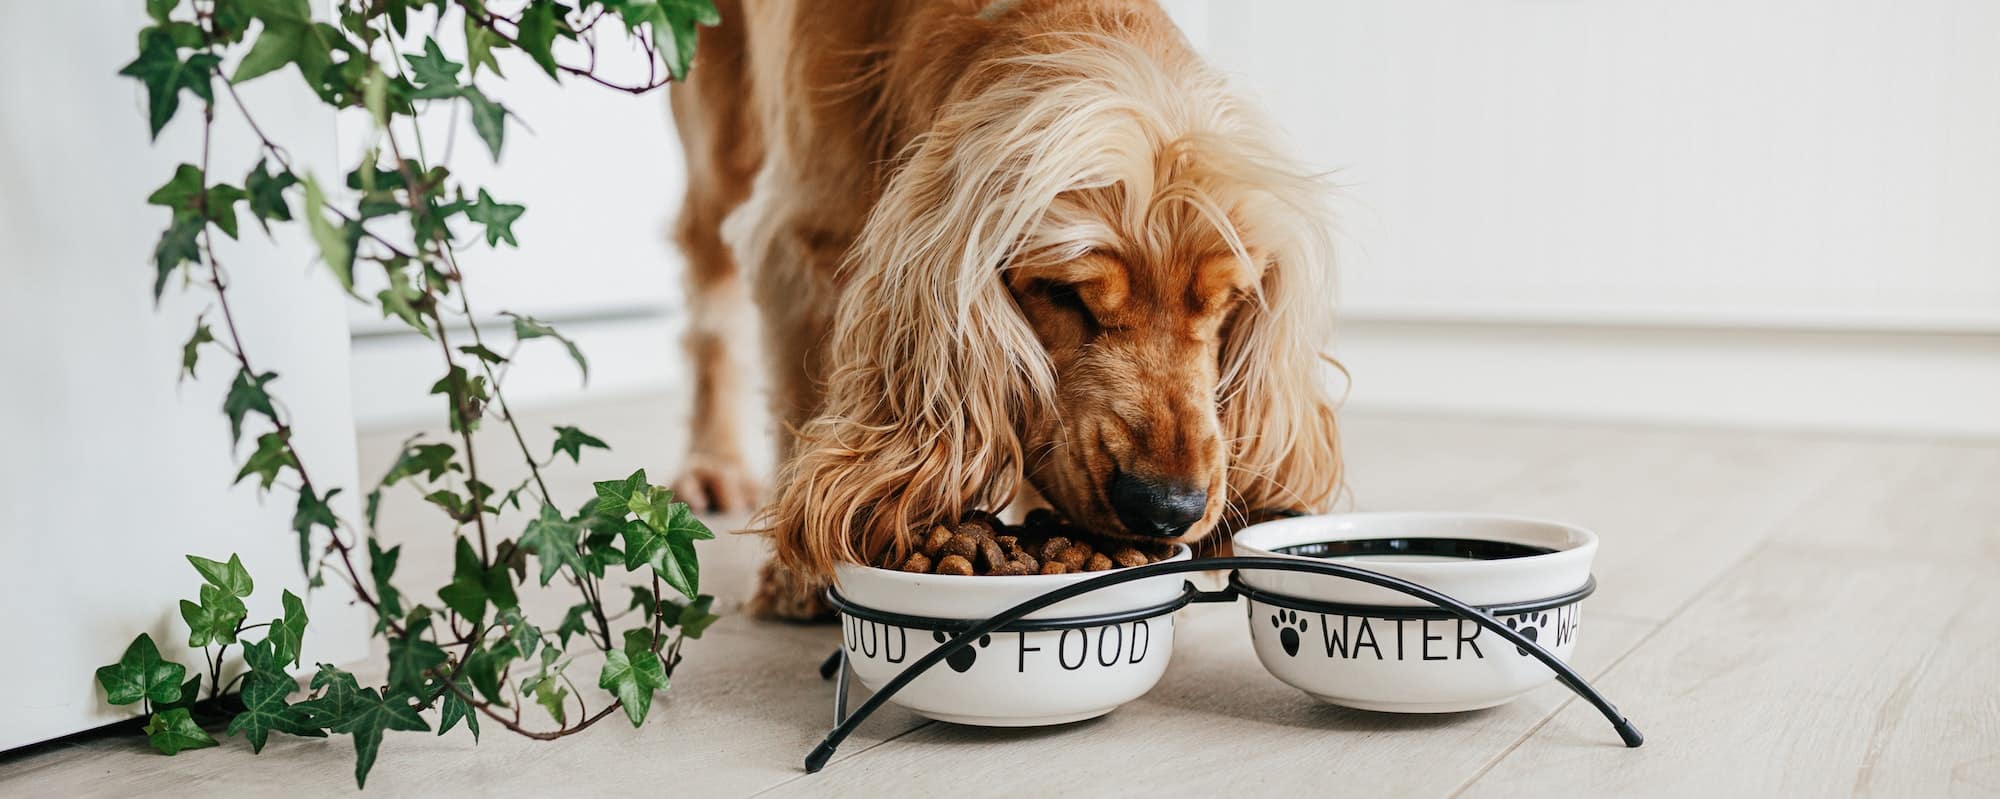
(1025, 251)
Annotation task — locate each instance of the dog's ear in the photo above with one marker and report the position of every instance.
(930, 369)
(1278, 382)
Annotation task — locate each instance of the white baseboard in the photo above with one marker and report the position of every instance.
(1922, 382)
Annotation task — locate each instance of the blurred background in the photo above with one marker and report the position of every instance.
(1768, 216)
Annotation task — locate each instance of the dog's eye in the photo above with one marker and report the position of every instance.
(1065, 296)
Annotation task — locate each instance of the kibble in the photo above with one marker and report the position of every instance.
(980, 544)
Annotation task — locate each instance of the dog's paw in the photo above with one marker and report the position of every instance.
(713, 484)
(782, 595)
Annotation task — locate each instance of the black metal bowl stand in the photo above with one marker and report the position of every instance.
(1011, 619)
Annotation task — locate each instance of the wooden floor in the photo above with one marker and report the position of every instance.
(1782, 614)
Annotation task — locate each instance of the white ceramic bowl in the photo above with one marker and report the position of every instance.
(1374, 660)
(1010, 679)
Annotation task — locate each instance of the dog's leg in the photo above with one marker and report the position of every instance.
(715, 476)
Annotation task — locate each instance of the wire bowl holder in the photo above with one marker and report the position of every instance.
(965, 632)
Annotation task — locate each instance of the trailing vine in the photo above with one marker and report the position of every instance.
(472, 654)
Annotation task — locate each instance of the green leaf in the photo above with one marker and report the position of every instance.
(267, 194)
(231, 576)
(141, 674)
(215, 619)
(537, 34)
(482, 353)
(670, 554)
(165, 75)
(180, 191)
(277, 46)
(382, 566)
(614, 497)
(290, 37)
(335, 248)
(483, 668)
(554, 541)
(221, 207)
(179, 244)
(190, 692)
(527, 327)
(273, 455)
(265, 708)
(673, 23)
(480, 42)
(288, 634)
(432, 68)
(246, 394)
(633, 675)
(573, 622)
(489, 119)
(658, 508)
(474, 585)
(174, 730)
(369, 716)
(456, 707)
(184, 195)
(497, 217)
(411, 658)
(572, 441)
(191, 351)
(694, 618)
(400, 300)
(159, 10)
(550, 695)
(313, 511)
(430, 460)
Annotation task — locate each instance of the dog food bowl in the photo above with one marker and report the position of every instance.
(1076, 659)
(1363, 646)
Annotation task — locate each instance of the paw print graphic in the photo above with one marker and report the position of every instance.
(963, 659)
(1289, 624)
(1530, 626)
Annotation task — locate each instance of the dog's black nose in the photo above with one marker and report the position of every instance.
(1151, 506)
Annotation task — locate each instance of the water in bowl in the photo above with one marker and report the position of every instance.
(1414, 550)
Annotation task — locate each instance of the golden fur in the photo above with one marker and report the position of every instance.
(1028, 241)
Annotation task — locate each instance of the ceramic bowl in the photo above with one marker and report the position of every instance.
(1367, 647)
(1009, 678)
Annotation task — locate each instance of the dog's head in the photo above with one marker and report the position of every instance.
(1094, 272)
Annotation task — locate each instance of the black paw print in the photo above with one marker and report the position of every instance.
(1289, 624)
(963, 659)
(1529, 626)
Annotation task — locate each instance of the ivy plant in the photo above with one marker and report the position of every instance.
(466, 653)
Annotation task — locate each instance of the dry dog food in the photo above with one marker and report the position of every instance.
(1043, 543)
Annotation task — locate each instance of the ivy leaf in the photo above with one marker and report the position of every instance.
(693, 618)
(573, 622)
(483, 668)
(367, 716)
(142, 674)
(267, 194)
(474, 585)
(289, 37)
(456, 707)
(658, 508)
(191, 351)
(481, 352)
(527, 327)
(399, 300)
(537, 34)
(480, 42)
(247, 394)
(174, 730)
(178, 245)
(288, 633)
(572, 441)
(159, 10)
(230, 577)
(671, 555)
(382, 566)
(215, 619)
(554, 542)
(432, 68)
(410, 657)
(615, 496)
(273, 455)
(430, 460)
(190, 691)
(165, 75)
(489, 119)
(550, 695)
(633, 675)
(180, 191)
(265, 708)
(313, 511)
(497, 217)
(335, 248)
(673, 22)
(221, 207)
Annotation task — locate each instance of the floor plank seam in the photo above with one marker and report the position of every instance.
(851, 757)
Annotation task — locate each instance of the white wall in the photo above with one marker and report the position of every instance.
(1773, 213)
(110, 472)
